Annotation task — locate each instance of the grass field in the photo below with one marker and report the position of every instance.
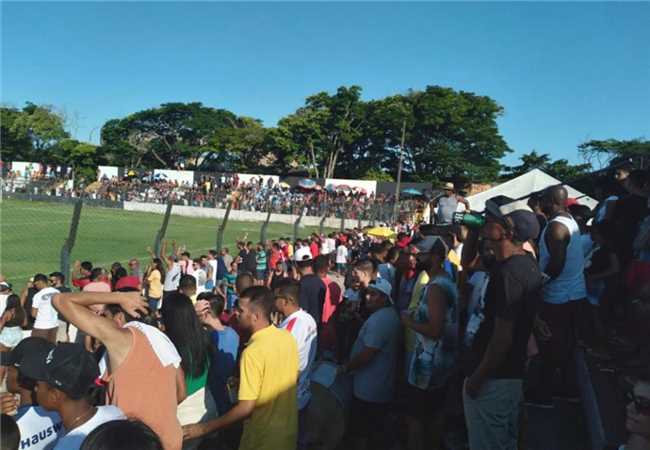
(32, 233)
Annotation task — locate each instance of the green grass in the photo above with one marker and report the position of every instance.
(32, 234)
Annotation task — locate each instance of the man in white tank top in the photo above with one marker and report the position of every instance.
(561, 258)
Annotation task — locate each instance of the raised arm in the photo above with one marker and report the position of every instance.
(75, 307)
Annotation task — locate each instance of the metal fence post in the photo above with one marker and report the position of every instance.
(265, 224)
(68, 245)
(321, 226)
(160, 235)
(222, 226)
(297, 224)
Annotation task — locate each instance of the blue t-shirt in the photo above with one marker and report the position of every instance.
(223, 366)
(374, 382)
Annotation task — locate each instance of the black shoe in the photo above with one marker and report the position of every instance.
(535, 400)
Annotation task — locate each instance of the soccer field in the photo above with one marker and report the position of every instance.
(32, 234)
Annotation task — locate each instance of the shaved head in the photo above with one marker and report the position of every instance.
(554, 199)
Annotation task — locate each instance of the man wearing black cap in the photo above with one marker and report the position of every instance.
(495, 366)
(64, 375)
(39, 429)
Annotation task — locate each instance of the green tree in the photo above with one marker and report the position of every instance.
(612, 151)
(560, 169)
(377, 175)
(30, 132)
(173, 135)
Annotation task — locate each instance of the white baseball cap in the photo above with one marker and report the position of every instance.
(303, 254)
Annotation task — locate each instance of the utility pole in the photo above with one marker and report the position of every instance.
(399, 172)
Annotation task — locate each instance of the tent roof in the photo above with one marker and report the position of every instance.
(524, 185)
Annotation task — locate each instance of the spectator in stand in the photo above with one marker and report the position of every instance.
(261, 267)
(81, 274)
(144, 376)
(187, 286)
(637, 420)
(123, 280)
(98, 281)
(123, 435)
(314, 246)
(216, 269)
(46, 324)
(186, 263)
(39, 429)
(312, 288)
(436, 327)
(342, 258)
(249, 260)
(562, 260)
(372, 363)
(64, 375)
(496, 364)
(173, 271)
(153, 280)
(331, 302)
(225, 340)
(447, 204)
(268, 375)
(57, 281)
(304, 330)
(193, 343)
(227, 287)
(134, 268)
(227, 257)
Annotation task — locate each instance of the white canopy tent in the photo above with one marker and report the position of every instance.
(525, 185)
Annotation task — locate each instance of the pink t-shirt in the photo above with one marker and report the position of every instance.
(97, 286)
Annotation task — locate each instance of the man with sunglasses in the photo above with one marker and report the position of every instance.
(496, 361)
(637, 420)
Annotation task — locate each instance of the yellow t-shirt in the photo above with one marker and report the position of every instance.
(420, 283)
(155, 286)
(454, 258)
(269, 375)
(289, 250)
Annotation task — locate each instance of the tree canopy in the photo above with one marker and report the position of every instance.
(560, 169)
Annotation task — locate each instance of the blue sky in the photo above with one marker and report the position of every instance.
(564, 72)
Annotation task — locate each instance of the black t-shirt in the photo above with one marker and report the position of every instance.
(312, 296)
(250, 262)
(513, 294)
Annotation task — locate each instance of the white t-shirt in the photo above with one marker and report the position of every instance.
(46, 317)
(172, 278)
(302, 327)
(342, 254)
(39, 429)
(200, 277)
(331, 244)
(324, 248)
(3, 303)
(213, 264)
(75, 437)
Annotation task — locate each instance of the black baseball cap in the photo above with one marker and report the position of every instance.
(66, 367)
(28, 346)
(524, 221)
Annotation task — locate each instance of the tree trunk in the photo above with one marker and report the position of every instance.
(313, 158)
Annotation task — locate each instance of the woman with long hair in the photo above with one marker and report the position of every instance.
(182, 326)
(153, 281)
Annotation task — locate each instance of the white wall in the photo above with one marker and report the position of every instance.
(243, 216)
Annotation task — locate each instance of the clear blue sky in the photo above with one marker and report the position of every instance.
(564, 72)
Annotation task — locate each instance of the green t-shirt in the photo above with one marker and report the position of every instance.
(230, 279)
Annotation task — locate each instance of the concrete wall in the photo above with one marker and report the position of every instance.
(243, 216)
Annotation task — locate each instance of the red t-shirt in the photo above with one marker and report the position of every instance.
(130, 281)
(80, 282)
(274, 259)
(313, 248)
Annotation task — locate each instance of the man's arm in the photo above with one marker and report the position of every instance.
(361, 360)
(75, 308)
(241, 411)
(436, 305)
(464, 201)
(181, 388)
(497, 349)
(557, 240)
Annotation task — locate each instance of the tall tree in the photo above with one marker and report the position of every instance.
(612, 151)
(560, 169)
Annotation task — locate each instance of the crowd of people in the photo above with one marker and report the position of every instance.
(215, 191)
(427, 338)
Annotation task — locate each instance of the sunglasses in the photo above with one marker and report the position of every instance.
(642, 405)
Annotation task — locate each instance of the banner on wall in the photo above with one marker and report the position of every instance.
(107, 171)
(367, 186)
(247, 177)
(179, 176)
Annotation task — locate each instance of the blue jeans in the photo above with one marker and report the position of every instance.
(492, 418)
